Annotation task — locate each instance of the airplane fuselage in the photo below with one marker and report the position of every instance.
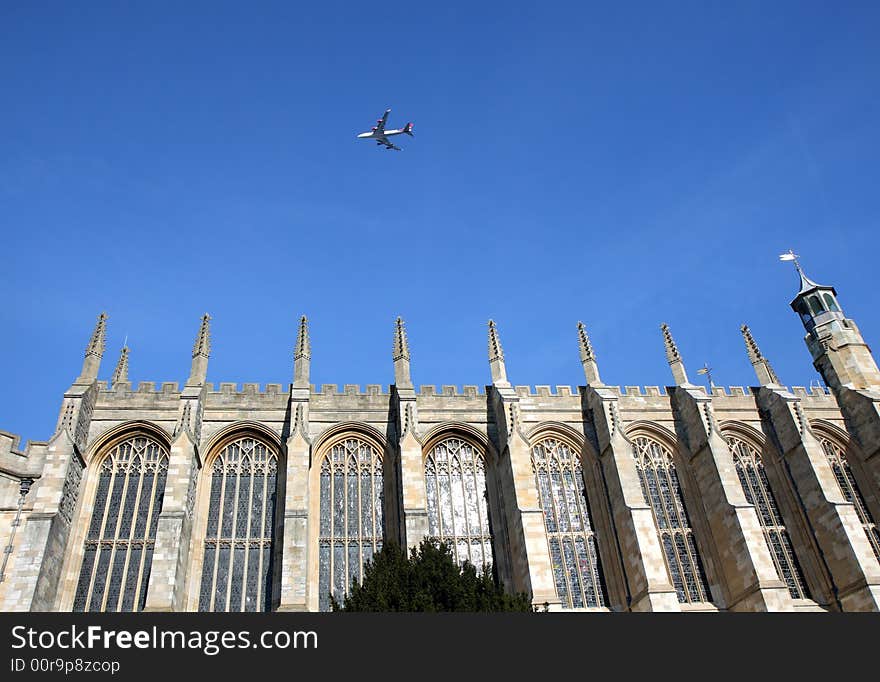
(375, 134)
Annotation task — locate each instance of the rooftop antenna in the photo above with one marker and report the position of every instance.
(705, 369)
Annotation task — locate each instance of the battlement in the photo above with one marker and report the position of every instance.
(448, 390)
(19, 462)
(167, 388)
(232, 388)
(350, 389)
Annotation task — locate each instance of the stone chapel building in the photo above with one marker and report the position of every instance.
(204, 498)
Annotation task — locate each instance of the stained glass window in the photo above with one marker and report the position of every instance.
(750, 469)
(351, 516)
(851, 491)
(573, 553)
(662, 490)
(240, 532)
(455, 479)
(119, 544)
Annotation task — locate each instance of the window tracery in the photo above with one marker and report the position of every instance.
(118, 549)
(455, 480)
(753, 478)
(351, 527)
(239, 536)
(662, 490)
(851, 491)
(574, 555)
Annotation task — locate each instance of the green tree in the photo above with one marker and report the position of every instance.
(428, 580)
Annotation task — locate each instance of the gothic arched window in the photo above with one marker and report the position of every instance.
(455, 480)
(239, 537)
(662, 490)
(850, 490)
(352, 527)
(753, 478)
(119, 544)
(573, 552)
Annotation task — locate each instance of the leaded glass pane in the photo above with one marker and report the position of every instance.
(85, 577)
(100, 501)
(145, 579)
(339, 506)
(217, 480)
(130, 501)
(143, 509)
(659, 478)
(433, 515)
(240, 534)
(560, 484)
(207, 569)
(115, 585)
(366, 493)
(447, 527)
(352, 502)
(118, 549)
(244, 505)
(251, 599)
(324, 575)
(237, 585)
(258, 517)
(134, 569)
(100, 580)
(267, 577)
(339, 572)
(325, 504)
(221, 583)
(350, 527)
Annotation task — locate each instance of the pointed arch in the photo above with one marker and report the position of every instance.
(103, 443)
(652, 449)
(556, 459)
(746, 448)
(320, 442)
(239, 428)
(127, 474)
(835, 443)
(452, 428)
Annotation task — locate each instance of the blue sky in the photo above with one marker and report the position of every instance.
(624, 166)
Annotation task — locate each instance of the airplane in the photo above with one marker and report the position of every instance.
(381, 135)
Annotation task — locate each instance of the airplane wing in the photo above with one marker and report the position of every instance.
(380, 124)
(388, 145)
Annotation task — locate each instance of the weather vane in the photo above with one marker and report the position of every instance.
(705, 369)
(791, 256)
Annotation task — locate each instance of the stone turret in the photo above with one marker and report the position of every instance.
(839, 352)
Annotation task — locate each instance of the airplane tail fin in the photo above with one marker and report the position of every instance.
(408, 129)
